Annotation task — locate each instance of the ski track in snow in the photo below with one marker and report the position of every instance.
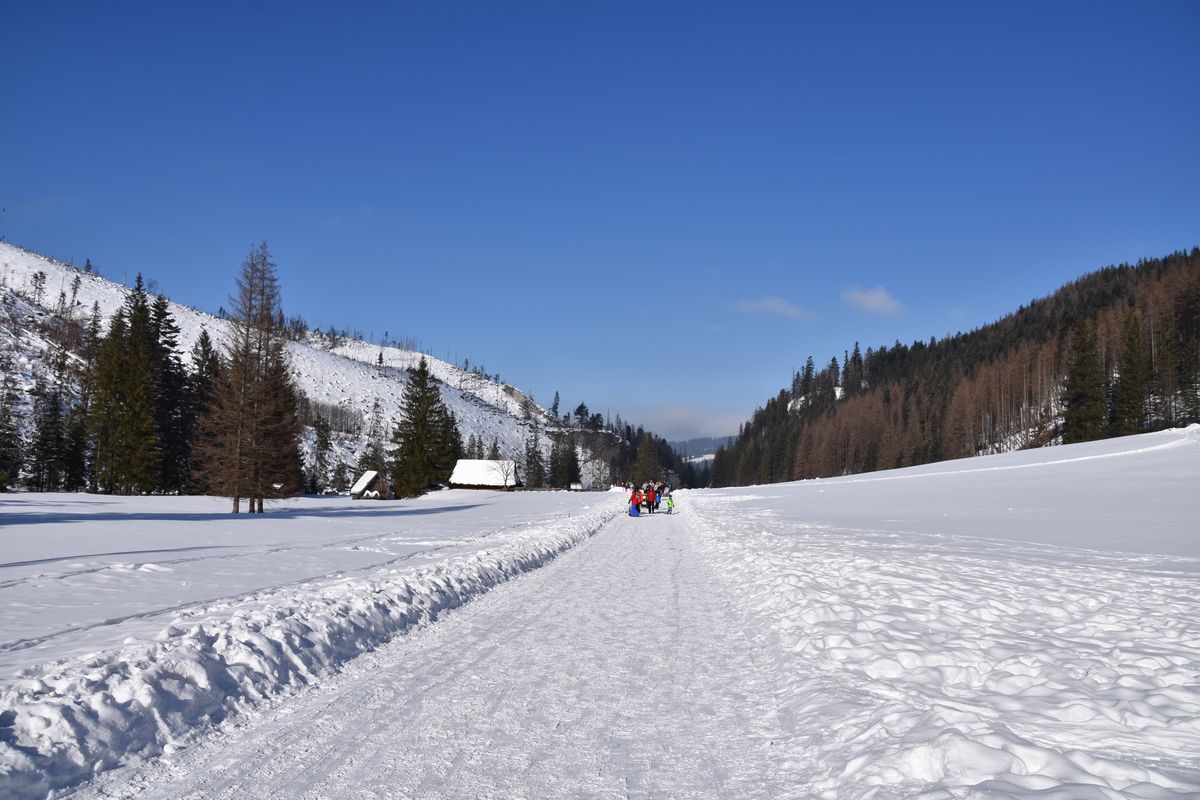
(605, 674)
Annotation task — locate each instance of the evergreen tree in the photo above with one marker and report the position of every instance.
(535, 467)
(106, 407)
(646, 468)
(421, 454)
(130, 385)
(45, 460)
(1084, 412)
(494, 450)
(570, 463)
(564, 462)
(10, 435)
(340, 482)
(280, 472)
(75, 449)
(174, 403)
(1189, 382)
(554, 406)
(204, 376)
(323, 444)
(139, 455)
(1132, 387)
(450, 443)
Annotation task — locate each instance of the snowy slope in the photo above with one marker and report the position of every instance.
(349, 375)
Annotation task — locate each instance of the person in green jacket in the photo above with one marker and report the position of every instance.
(670, 504)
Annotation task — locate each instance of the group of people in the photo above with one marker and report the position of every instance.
(650, 496)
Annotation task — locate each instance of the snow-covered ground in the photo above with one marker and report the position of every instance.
(1019, 625)
(126, 622)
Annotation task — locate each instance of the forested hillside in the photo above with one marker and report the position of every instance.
(1115, 352)
(104, 388)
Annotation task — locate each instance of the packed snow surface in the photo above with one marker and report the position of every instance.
(1020, 625)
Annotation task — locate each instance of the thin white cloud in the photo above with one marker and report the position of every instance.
(872, 301)
(774, 306)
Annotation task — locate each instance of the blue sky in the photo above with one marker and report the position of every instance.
(658, 209)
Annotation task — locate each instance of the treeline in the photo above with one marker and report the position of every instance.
(1114, 352)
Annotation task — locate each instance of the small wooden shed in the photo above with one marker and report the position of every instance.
(371, 486)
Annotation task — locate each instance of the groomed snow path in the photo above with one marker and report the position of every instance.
(615, 671)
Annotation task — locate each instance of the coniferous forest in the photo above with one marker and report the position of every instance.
(1115, 352)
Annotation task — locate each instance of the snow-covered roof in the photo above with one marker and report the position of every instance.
(484, 472)
(363, 482)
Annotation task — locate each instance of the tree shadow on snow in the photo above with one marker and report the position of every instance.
(50, 516)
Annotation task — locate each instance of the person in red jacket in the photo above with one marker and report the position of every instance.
(635, 499)
(650, 498)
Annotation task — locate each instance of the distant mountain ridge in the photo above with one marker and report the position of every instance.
(1001, 387)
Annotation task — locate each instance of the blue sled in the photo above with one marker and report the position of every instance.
(634, 511)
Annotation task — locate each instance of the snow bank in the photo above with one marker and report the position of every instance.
(926, 652)
(65, 721)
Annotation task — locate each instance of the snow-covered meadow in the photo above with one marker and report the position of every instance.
(126, 622)
(1019, 625)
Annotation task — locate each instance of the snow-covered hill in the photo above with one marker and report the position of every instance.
(349, 375)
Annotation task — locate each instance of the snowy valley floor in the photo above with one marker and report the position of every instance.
(1022, 625)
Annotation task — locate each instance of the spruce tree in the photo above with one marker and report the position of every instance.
(280, 472)
(121, 409)
(421, 456)
(340, 482)
(75, 448)
(1131, 389)
(535, 467)
(645, 469)
(494, 450)
(451, 441)
(203, 377)
(1084, 412)
(45, 459)
(323, 444)
(107, 402)
(174, 404)
(10, 435)
(570, 463)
